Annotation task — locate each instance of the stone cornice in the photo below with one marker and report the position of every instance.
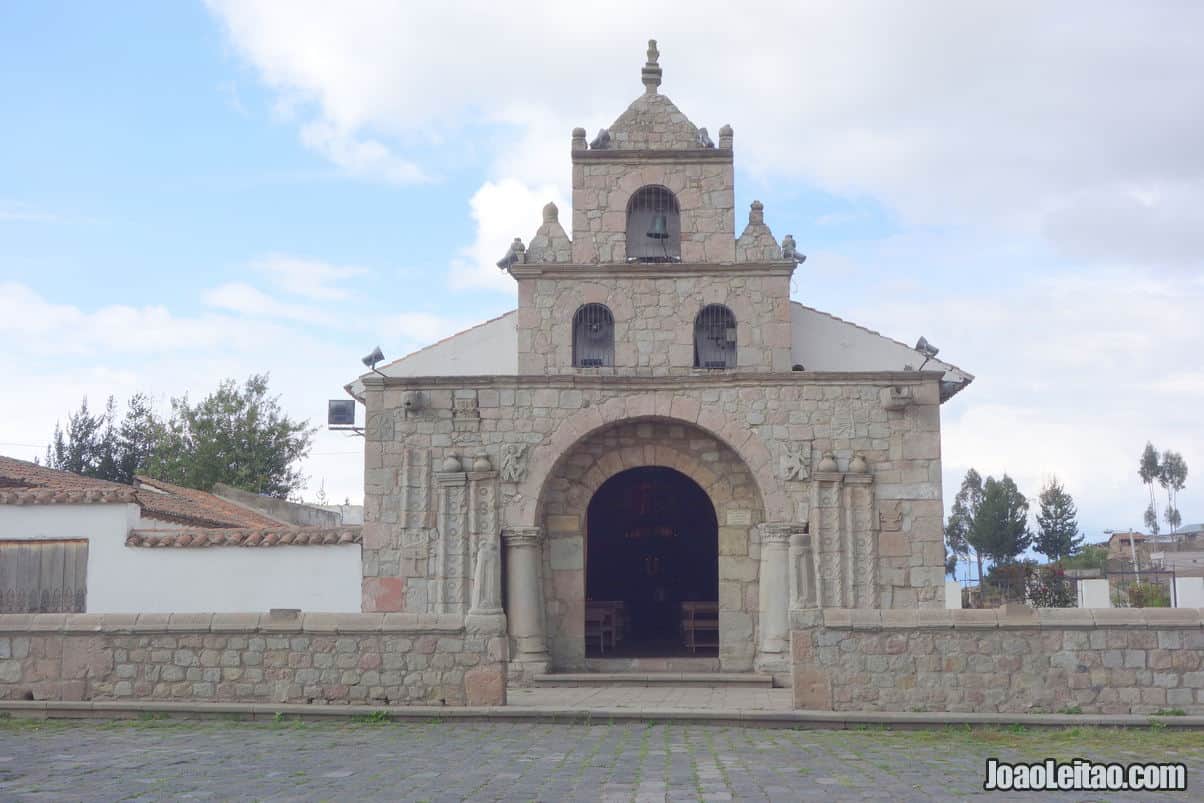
(991, 618)
(698, 379)
(649, 156)
(646, 270)
(338, 623)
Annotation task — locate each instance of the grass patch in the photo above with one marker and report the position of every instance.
(1071, 709)
(1169, 712)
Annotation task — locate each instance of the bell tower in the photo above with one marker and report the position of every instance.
(654, 251)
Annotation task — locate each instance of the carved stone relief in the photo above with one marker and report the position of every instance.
(513, 462)
(466, 415)
(795, 461)
(380, 427)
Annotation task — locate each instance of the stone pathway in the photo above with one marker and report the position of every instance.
(650, 698)
(502, 761)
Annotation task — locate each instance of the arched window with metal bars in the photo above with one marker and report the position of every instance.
(653, 226)
(715, 337)
(593, 337)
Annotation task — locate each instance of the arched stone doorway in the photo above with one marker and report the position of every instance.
(651, 567)
(580, 472)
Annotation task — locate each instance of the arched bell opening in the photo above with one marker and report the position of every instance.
(653, 226)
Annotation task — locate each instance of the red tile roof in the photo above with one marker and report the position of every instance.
(24, 483)
(167, 502)
(245, 536)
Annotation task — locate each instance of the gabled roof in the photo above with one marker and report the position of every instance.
(821, 342)
(167, 502)
(25, 483)
(653, 122)
(824, 342)
(489, 348)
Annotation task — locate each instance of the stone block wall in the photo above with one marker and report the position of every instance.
(370, 659)
(765, 432)
(1011, 660)
(654, 308)
(703, 184)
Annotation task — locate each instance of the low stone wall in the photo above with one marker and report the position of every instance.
(1010, 660)
(386, 659)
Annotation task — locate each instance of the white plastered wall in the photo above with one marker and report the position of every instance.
(125, 579)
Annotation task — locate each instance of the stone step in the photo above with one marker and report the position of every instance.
(652, 664)
(714, 679)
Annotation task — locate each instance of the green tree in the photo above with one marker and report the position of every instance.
(97, 446)
(961, 516)
(1057, 534)
(139, 435)
(1091, 556)
(1172, 476)
(235, 435)
(1000, 530)
(1149, 469)
(87, 446)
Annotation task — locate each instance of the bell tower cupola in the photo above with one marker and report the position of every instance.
(650, 277)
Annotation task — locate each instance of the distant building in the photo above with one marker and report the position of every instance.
(1122, 545)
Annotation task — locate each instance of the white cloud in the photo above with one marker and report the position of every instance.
(62, 353)
(307, 277)
(1073, 375)
(1016, 114)
(362, 158)
(244, 299)
(502, 210)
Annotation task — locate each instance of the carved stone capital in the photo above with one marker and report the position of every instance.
(520, 537)
(779, 533)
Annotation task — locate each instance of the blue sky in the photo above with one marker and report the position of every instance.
(195, 191)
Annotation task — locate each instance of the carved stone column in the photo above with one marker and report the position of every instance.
(862, 533)
(775, 594)
(524, 597)
(452, 557)
(827, 535)
(802, 570)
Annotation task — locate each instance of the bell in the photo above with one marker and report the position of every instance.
(660, 228)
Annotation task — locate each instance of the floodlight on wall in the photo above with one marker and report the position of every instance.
(372, 359)
(927, 349)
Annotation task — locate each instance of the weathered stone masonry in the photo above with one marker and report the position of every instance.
(861, 531)
(1011, 660)
(385, 659)
(826, 486)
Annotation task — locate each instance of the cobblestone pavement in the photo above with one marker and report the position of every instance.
(435, 760)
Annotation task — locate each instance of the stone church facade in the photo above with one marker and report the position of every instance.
(655, 351)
